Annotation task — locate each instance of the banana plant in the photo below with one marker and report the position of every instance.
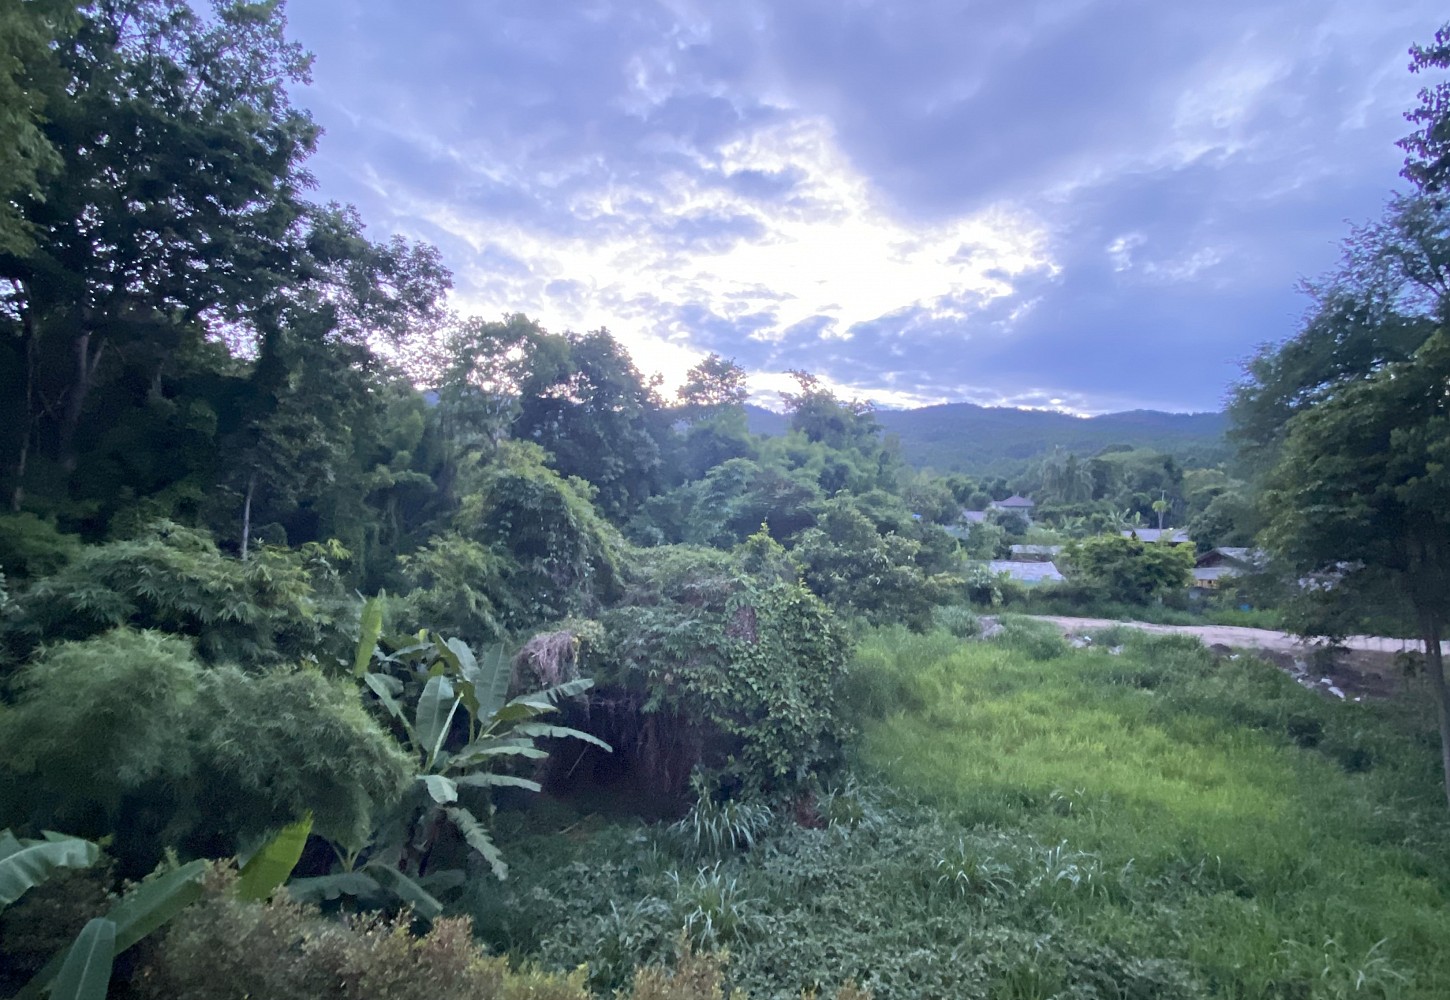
(82, 971)
(25, 864)
(450, 711)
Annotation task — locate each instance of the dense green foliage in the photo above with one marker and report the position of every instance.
(705, 664)
(1128, 570)
(176, 580)
(304, 574)
(128, 734)
(1347, 420)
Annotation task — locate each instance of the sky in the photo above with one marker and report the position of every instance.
(1087, 205)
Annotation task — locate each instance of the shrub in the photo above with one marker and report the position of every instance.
(707, 666)
(1129, 570)
(31, 547)
(713, 828)
(885, 577)
(960, 621)
(175, 580)
(560, 556)
(457, 588)
(713, 908)
(223, 947)
(128, 734)
(694, 977)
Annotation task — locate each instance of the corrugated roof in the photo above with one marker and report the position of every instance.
(1234, 554)
(1026, 572)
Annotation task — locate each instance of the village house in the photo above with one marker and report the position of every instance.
(1019, 504)
(1218, 565)
(1026, 572)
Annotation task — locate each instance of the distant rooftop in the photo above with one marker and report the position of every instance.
(1026, 572)
(1014, 502)
(1234, 555)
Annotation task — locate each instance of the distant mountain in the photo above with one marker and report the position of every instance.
(763, 421)
(964, 437)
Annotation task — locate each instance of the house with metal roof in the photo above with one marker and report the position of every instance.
(1026, 572)
(1217, 565)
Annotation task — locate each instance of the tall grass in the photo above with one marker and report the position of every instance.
(1265, 835)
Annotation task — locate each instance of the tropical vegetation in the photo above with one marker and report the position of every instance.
(352, 647)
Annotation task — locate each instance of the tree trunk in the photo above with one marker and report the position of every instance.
(247, 515)
(22, 461)
(1435, 667)
(86, 365)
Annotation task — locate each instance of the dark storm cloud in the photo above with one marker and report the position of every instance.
(1188, 163)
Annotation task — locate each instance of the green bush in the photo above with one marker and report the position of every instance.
(561, 557)
(223, 948)
(226, 948)
(957, 619)
(713, 668)
(174, 579)
(883, 576)
(128, 735)
(1128, 570)
(31, 547)
(457, 588)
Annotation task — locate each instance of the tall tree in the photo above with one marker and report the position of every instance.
(1360, 497)
(26, 155)
(582, 399)
(714, 382)
(1389, 294)
(175, 202)
(1427, 149)
(712, 406)
(823, 417)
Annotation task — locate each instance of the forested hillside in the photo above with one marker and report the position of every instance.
(983, 440)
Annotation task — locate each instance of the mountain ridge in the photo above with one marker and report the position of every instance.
(967, 437)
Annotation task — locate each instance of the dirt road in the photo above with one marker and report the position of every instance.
(1228, 635)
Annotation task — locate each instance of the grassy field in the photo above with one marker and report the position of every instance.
(1035, 822)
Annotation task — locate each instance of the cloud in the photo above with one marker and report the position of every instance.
(1102, 203)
